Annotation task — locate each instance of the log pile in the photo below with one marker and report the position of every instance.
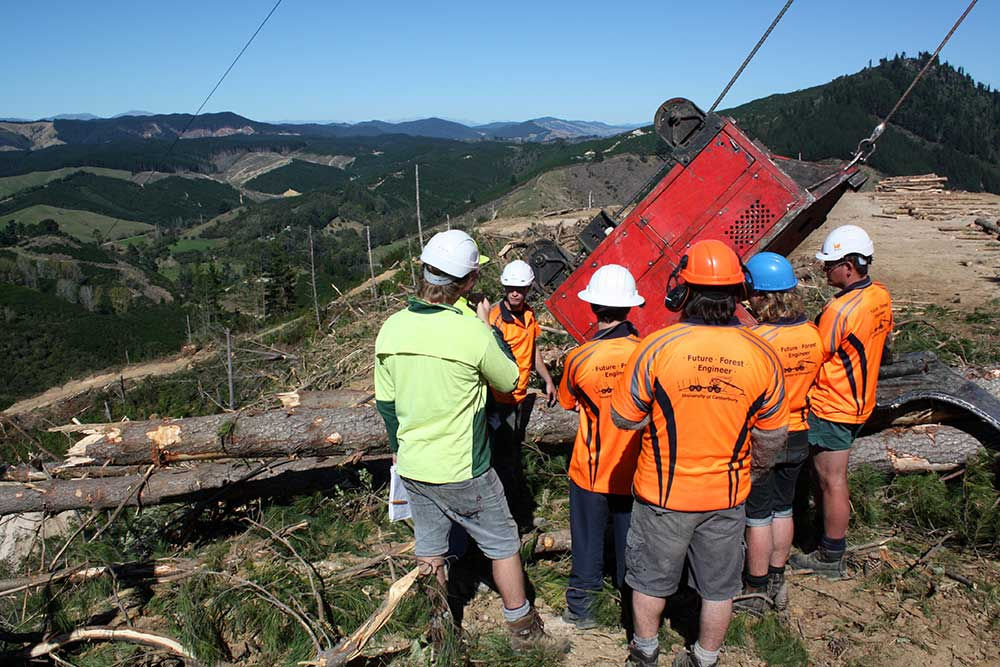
(926, 197)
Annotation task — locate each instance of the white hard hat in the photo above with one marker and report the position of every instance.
(517, 274)
(612, 285)
(453, 252)
(846, 240)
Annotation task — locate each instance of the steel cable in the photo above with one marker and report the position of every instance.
(746, 62)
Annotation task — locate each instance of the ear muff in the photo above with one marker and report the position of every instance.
(860, 262)
(748, 288)
(677, 293)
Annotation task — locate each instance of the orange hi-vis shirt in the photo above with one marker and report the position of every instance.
(704, 388)
(520, 336)
(853, 326)
(604, 456)
(801, 352)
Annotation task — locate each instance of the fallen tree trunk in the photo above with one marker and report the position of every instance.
(900, 451)
(291, 432)
(919, 449)
(244, 479)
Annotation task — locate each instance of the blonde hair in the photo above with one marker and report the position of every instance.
(444, 293)
(774, 306)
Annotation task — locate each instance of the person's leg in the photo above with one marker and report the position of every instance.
(647, 611)
(786, 477)
(715, 618)
(431, 527)
(759, 513)
(509, 578)
(433, 565)
(831, 466)
(716, 558)
(620, 508)
(588, 516)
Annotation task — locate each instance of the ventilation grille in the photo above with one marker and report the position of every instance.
(750, 225)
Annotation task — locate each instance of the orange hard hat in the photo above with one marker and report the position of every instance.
(712, 262)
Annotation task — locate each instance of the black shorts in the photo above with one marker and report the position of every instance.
(772, 493)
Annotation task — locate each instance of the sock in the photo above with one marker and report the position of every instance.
(703, 656)
(512, 615)
(834, 549)
(775, 570)
(646, 646)
(754, 581)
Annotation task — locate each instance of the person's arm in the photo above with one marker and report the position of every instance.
(566, 396)
(385, 401)
(551, 395)
(631, 401)
(497, 364)
(769, 434)
(764, 448)
(831, 330)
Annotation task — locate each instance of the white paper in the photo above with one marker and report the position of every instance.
(399, 499)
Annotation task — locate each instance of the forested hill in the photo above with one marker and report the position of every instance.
(950, 124)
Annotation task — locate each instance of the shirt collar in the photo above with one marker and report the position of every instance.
(787, 321)
(509, 316)
(861, 284)
(733, 322)
(620, 330)
(424, 307)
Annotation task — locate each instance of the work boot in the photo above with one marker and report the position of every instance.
(820, 562)
(581, 622)
(528, 632)
(686, 659)
(777, 590)
(752, 600)
(637, 658)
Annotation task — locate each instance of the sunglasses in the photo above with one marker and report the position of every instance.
(830, 266)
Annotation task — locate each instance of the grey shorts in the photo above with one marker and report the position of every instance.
(659, 539)
(478, 505)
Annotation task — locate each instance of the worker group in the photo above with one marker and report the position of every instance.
(691, 438)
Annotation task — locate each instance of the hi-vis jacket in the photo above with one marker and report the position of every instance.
(853, 326)
(704, 388)
(520, 335)
(432, 365)
(604, 456)
(800, 349)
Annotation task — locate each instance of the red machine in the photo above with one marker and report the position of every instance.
(723, 186)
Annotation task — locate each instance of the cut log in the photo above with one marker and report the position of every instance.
(988, 226)
(244, 479)
(900, 451)
(294, 432)
(919, 449)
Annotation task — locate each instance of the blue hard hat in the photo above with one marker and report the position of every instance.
(771, 272)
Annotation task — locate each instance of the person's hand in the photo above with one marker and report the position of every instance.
(483, 310)
(551, 394)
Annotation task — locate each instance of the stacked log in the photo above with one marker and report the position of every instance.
(918, 183)
(926, 197)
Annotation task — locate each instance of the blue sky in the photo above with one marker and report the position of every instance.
(470, 61)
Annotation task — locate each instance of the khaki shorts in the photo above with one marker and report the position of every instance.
(660, 539)
(478, 505)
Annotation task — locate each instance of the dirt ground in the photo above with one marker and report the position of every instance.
(918, 262)
(56, 395)
(852, 621)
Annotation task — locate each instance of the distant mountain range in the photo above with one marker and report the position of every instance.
(89, 129)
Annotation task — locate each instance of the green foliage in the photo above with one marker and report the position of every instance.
(967, 506)
(969, 338)
(46, 340)
(170, 202)
(949, 125)
(300, 176)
